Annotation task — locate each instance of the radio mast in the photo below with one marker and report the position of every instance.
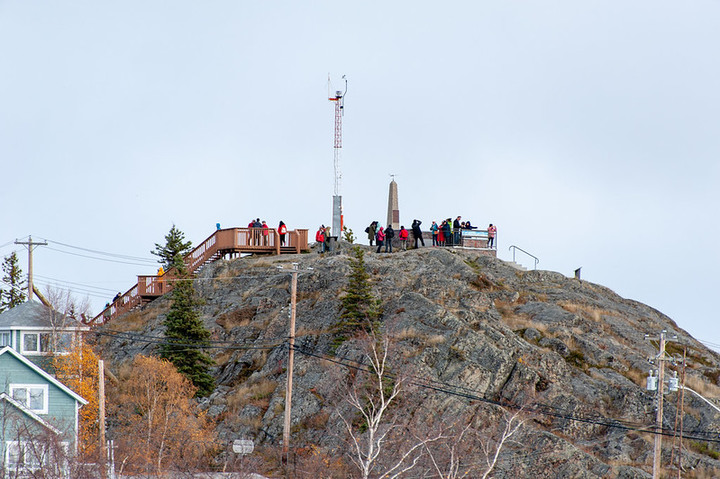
(337, 213)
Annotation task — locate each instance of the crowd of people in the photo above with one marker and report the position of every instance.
(447, 233)
(259, 232)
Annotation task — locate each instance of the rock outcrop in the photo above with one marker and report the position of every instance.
(573, 354)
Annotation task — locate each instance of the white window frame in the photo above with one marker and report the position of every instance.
(28, 387)
(9, 333)
(22, 451)
(50, 339)
(22, 343)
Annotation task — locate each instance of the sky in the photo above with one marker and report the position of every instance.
(586, 131)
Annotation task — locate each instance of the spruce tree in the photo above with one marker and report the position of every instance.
(360, 307)
(185, 333)
(175, 244)
(14, 295)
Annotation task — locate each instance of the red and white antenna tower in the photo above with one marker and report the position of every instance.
(339, 98)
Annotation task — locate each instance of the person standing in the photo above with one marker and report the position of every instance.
(447, 232)
(379, 238)
(265, 232)
(457, 231)
(320, 238)
(327, 238)
(434, 230)
(389, 235)
(257, 231)
(403, 235)
(371, 231)
(492, 231)
(417, 233)
(282, 231)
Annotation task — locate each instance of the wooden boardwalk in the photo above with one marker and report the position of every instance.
(224, 242)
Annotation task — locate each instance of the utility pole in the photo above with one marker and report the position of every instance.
(660, 358)
(101, 416)
(291, 358)
(30, 246)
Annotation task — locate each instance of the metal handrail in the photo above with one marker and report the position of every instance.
(513, 248)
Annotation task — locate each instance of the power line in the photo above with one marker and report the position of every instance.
(538, 408)
(74, 283)
(98, 259)
(105, 253)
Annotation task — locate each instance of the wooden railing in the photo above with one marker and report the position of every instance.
(219, 244)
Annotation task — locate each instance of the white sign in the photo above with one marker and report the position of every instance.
(243, 446)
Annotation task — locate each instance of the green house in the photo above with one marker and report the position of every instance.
(38, 332)
(38, 414)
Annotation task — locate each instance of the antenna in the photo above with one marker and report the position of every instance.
(339, 98)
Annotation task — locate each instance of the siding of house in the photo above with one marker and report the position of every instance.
(61, 406)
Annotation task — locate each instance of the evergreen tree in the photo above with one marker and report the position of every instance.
(186, 334)
(175, 244)
(15, 293)
(361, 309)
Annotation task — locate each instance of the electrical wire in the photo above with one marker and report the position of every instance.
(105, 253)
(74, 283)
(426, 383)
(538, 408)
(96, 258)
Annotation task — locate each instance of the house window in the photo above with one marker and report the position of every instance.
(5, 338)
(46, 343)
(21, 456)
(30, 343)
(32, 396)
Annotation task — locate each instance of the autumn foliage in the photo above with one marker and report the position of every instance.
(78, 370)
(158, 428)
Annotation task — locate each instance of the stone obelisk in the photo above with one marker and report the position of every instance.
(393, 216)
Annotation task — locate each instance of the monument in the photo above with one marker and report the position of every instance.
(393, 216)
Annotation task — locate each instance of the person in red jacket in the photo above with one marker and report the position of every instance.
(320, 238)
(265, 233)
(403, 235)
(282, 231)
(380, 238)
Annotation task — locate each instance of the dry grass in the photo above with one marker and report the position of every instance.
(588, 312)
(317, 421)
(134, 321)
(236, 318)
(301, 332)
(702, 387)
(261, 264)
(223, 357)
(516, 322)
(407, 333)
(412, 333)
(257, 394)
(259, 360)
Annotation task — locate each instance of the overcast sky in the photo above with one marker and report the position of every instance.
(586, 131)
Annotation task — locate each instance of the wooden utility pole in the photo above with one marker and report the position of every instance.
(101, 417)
(291, 358)
(30, 246)
(660, 358)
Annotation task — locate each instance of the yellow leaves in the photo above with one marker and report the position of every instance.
(78, 370)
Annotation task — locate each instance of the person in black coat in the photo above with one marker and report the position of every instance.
(389, 235)
(417, 233)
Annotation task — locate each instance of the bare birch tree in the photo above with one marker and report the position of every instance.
(449, 456)
(373, 399)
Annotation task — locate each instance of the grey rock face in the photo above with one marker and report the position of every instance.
(572, 353)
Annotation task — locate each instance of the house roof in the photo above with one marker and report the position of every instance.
(28, 412)
(37, 369)
(32, 314)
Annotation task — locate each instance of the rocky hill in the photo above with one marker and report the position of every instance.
(474, 333)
